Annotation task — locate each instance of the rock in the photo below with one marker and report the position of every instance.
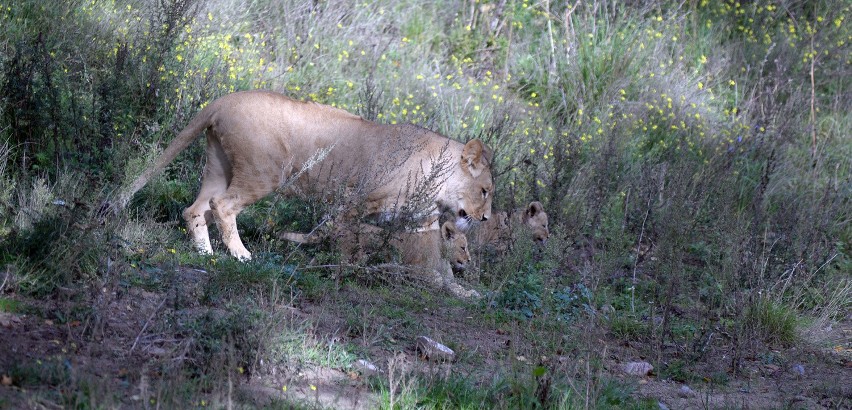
(156, 351)
(9, 319)
(637, 368)
(662, 405)
(365, 368)
(434, 351)
(798, 370)
(685, 391)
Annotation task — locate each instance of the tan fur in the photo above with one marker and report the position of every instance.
(497, 233)
(418, 251)
(258, 140)
(434, 255)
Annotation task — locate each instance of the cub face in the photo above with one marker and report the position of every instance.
(536, 220)
(455, 247)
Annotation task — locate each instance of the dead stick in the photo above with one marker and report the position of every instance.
(146, 324)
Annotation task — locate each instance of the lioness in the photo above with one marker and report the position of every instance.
(430, 255)
(497, 232)
(258, 140)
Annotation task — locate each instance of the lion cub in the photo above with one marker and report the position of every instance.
(431, 255)
(497, 233)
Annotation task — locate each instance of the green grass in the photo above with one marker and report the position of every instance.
(10, 305)
(771, 321)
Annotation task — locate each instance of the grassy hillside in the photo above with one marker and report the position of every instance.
(695, 160)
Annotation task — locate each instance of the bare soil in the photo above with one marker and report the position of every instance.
(111, 349)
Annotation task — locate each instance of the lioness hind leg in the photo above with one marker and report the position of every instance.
(197, 218)
(214, 182)
(225, 211)
(241, 193)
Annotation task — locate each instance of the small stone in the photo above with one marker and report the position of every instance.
(157, 351)
(6, 380)
(637, 368)
(685, 391)
(798, 369)
(662, 405)
(9, 319)
(365, 368)
(434, 351)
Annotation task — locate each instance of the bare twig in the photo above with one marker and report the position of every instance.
(636, 260)
(5, 279)
(813, 99)
(151, 317)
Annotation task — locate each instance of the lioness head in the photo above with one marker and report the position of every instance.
(455, 246)
(475, 187)
(536, 220)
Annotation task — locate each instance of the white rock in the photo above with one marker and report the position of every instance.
(365, 368)
(434, 351)
(637, 368)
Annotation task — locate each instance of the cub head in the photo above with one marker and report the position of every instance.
(498, 227)
(455, 246)
(473, 186)
(536, 220)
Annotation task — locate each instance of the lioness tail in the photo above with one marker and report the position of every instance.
(195, 127)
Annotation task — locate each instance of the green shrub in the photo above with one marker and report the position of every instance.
(522, 295)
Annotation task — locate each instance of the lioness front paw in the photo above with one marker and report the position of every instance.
(242, 256)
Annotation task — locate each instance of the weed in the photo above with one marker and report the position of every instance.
(626, 326)
(771, 321)
(521, 296)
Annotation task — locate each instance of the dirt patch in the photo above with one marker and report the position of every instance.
(117, 350)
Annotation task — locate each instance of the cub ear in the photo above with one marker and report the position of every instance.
(475, 157)
(448, 230)
(534, 208)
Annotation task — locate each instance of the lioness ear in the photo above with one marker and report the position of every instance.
(476, 157)
(448, 230)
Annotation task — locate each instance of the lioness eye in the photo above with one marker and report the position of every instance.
(484, 193)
